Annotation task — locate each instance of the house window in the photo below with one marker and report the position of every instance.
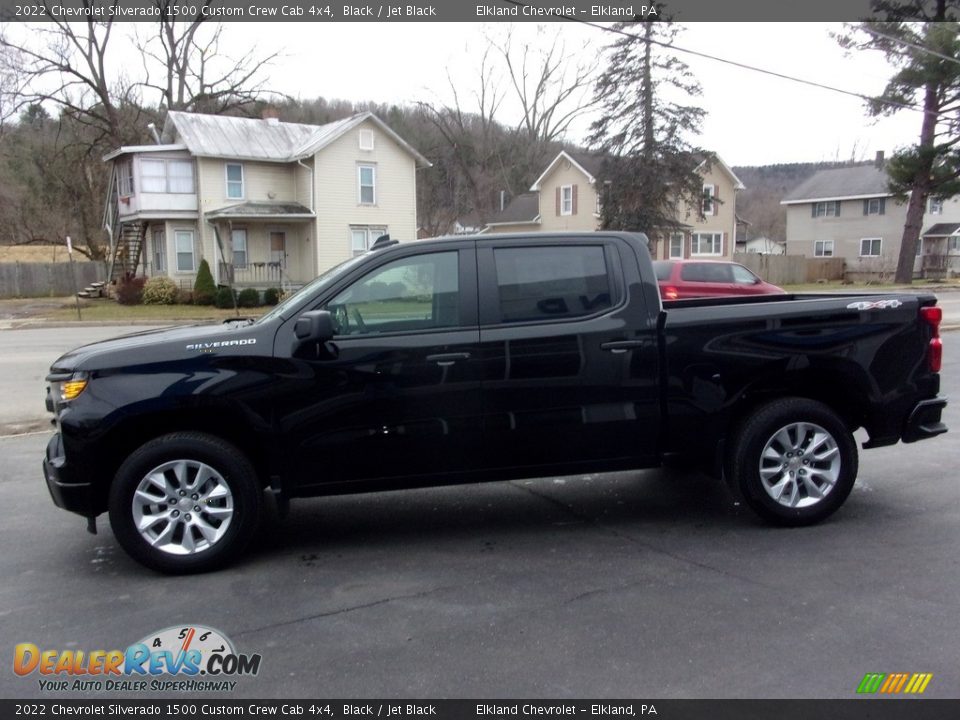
(366, 139)
(184, 242)
(125, 178)
(953, 244)
(238, 241)
(870, 247)
(362, 237)
(827, 209)
(823, 248)
(159, 251)
(706, 244)
(235, 181)
(676, 245)
(709, 200)
(166, 176)
(936, 206)
(367, 181)
(874, 206)
(566, 200)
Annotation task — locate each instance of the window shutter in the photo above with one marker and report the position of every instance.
(837, 205)
(883, 203)
(713, 202)
(723, 239)
(573, 203)
(558, 200)
(813, 210)
(866, 207)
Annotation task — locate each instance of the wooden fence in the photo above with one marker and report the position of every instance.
(23, 279)
(792, 269)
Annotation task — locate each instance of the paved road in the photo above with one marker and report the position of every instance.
(644, 584)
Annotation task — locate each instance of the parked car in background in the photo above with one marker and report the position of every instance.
(679, 279)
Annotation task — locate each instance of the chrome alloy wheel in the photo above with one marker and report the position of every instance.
(182, 507)
(799, 465)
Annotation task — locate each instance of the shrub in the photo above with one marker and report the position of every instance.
(248, 298)
(160, 291)
(130, 291)
(204, 289)
(271, 296)
(185, 297)
(224, 298)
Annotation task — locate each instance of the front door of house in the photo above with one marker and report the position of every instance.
(278, 248)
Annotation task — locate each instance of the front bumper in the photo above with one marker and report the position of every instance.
(75, 497)
(924, 421)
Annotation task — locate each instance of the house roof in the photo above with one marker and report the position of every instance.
(261, 211)
(591, 164)
(236, 138)
(849, 183)
(523, 208)
(126, 149)
(942, 230)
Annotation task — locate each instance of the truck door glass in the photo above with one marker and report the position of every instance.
(547, 283)
(406, 295)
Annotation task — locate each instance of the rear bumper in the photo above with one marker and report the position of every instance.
(924, 421)
(75, 497)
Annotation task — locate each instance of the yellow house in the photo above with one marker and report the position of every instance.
(267, 203)
(566, 196)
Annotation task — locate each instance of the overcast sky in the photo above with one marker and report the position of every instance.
(752, 119)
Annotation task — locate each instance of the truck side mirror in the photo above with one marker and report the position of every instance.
(314, 326)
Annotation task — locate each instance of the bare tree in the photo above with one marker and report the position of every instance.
(194, 73)
(553, 86)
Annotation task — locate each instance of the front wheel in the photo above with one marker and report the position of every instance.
(794, 461)
(185, 502)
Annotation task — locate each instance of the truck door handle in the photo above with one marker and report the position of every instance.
(621, 346)
(447, 359)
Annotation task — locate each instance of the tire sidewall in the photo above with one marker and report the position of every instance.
(227, 460)
(757, 432)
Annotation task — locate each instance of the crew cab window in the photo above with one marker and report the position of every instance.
(406, 295)
(549, 283)
(706, 272)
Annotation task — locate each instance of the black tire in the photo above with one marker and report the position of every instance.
(757, 460)
(229, 515)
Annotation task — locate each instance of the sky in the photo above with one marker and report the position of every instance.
(752, 119)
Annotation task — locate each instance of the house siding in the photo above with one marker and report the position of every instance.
(847, 231)
(585, 217)
(337, 197)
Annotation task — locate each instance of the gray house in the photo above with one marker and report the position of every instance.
(851, 213)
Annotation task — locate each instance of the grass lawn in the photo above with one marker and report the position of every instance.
(861, 288)
(108, 310)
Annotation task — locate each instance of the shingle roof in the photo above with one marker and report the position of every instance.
(942, 230)
(224, 136)
(523, 208)
(849, 182)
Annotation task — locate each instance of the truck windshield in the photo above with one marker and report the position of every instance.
(294, 302)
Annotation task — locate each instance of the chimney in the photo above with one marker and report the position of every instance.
(878, 163)
(270, 114)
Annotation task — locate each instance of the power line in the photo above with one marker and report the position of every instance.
(915, 46)
(734, 63)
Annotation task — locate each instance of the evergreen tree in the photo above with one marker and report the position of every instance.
(921, 38)
(649, 173)
(204, 289)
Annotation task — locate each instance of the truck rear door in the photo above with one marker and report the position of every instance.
(569, 354)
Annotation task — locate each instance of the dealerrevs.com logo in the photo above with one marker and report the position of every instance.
(176, 659)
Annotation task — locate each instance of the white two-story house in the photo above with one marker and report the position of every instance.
(267, 203)
(568, 196)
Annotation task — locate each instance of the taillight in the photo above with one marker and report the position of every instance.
(670, 293)
(933, 316)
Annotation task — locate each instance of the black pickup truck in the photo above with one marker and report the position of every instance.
(482, 358)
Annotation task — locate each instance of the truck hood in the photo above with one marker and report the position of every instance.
(165, 344)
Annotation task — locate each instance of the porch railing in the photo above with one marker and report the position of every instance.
(268, 274)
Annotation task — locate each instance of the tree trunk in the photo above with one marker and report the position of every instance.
(920, 188)
(647, 91)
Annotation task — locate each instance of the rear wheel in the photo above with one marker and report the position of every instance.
(794, 461)
(185, 502)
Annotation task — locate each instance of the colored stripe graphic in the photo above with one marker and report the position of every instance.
(895, 683)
